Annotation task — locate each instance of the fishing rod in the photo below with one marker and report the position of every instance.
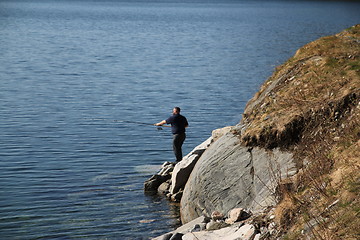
(132, 122)
(142, 123)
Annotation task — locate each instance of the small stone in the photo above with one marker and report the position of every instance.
(272, 225)
(236, 214)
(202, 226)
(216, 215)
(272, 228)
(152, 184)
(257, 236)
(165, 164)
(164, 188)
(177, 196)
(264, 230)
(199, 227)
(166, 169)
(215, 225)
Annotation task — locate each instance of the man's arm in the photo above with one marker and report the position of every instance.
(160, 123)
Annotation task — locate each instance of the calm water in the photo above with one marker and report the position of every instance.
(70, 69)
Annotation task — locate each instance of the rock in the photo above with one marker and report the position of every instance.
(215, 225)
(236, 214)
(229, 175)
(210, 235)
(186, 228)
(152, 184)
(166, 236)
(166, 168)
(199, 227)
(190, 225)
(216, 215)
(245, 232)
(183, 169)
(177, 236)
(177, 196)
(163, 189)
(264, 230)
(217, 133)
(272, 228)
(257, 236)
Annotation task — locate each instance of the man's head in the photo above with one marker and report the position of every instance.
(176, 110)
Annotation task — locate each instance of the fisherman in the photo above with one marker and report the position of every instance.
(178, 124)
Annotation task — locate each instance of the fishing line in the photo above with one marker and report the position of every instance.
(140, 123)
(132, 122)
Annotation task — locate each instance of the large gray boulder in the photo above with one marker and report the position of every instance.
(229, 175)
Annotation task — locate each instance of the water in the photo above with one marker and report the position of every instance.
(69, 69)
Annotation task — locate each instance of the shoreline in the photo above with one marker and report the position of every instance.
(258, 179)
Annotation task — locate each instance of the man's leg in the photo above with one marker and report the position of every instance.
(177, 144)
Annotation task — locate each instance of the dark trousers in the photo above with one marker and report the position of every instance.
(178, 141)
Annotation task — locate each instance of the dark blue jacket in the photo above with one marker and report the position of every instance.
(178, 123)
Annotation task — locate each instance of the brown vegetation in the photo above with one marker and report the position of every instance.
(311, 106)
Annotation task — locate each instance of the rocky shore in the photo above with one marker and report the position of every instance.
(290, 168)
(237, 170)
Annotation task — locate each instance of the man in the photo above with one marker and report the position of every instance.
(178, 124)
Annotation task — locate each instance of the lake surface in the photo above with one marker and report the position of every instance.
(71, 73)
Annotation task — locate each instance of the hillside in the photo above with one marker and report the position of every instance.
(310, 106)
(290, 168)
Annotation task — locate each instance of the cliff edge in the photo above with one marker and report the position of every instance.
(296, 149)
(293, 161)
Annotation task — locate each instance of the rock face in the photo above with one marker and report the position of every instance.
(310, 107)
(229, 175)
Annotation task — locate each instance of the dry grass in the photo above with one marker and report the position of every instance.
(311, 106)
(320, 73)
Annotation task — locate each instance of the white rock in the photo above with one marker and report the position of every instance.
(186, 228)
(257, 236)
(245, 232)
(235, 215)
